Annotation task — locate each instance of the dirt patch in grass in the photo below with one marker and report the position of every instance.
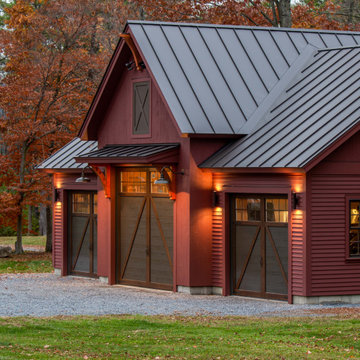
(346, 312)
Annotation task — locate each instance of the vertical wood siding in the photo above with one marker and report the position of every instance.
(262, 183)
(331, 274)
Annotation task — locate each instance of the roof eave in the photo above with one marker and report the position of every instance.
(260, 170)
(311, 163)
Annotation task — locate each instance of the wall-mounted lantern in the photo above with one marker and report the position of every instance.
(215, 199)
(56, 194)
(295, 200)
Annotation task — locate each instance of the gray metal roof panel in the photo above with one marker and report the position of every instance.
(319, 106)
(64, 158)
(214, 77)
(129, 151)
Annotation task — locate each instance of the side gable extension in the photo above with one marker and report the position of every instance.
(317, 109)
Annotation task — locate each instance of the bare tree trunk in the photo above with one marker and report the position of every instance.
(284, 10)
(42, 220)
(30, 218)
(351, 5)
(48, 247)
(18, 244)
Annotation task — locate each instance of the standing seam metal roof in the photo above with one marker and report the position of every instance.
(64, 158)
(214, 77)
(129, 151)
(318, 106)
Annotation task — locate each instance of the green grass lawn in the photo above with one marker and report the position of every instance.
(141, 337)
(30, 262)
(27, 240)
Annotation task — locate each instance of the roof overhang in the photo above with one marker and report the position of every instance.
(132, 154)
(255, 170)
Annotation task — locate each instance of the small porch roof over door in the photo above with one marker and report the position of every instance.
(63, 159)
(134, 153)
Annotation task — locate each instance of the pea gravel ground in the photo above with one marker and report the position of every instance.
(51, 295)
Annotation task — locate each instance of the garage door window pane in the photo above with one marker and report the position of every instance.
(277, 210)
(133, 182)
(95, 203)
(247, 209)
(81, 203)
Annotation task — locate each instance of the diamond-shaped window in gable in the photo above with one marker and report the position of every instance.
(141, 108)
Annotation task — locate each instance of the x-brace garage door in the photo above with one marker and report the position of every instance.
(82, 233)
(145, 234)
(259, 246)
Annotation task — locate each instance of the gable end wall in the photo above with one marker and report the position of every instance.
(328, 185)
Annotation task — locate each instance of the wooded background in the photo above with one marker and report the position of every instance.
(53, 54)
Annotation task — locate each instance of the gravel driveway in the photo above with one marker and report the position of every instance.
(49, 295)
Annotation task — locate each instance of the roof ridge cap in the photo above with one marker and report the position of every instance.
(245, 27)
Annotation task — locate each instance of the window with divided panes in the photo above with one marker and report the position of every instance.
(354, 229)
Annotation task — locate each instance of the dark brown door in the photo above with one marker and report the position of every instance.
(259, 246)
(145, 234)
(82, 235)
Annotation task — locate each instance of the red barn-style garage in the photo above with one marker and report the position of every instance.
(218, 160)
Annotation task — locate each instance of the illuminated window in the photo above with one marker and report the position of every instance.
(354, 230)
(261, 209)
(133, 181)
(247, 209)
(95, 203)
(81, 203)
(277, 210)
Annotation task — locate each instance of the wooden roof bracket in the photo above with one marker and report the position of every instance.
(137, 58)
(104, 178)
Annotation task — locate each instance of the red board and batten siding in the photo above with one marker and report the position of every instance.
(261, 183)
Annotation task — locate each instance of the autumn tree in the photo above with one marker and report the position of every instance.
(55, 53)
(246, 12)
(278, 13)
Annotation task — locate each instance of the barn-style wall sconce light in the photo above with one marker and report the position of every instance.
(215, 199)
(295, 200)
(82, 178)
(162, 180)
(56, 195)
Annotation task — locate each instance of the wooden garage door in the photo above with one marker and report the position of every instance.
(145, 234)
(259, 247)
(82, 233)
